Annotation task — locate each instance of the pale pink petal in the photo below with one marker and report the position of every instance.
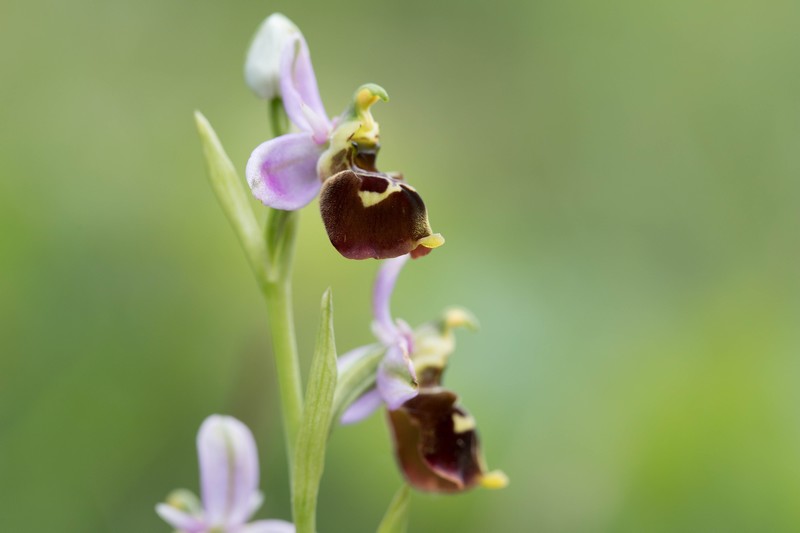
(365, 405)
(282, 172)
(256, 502)
(299, 90)
(396, 380)
(180, 520)
(384, 326)
(228, 470)
(268, 526)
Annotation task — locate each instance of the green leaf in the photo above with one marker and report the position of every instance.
(312, 437)
(356, 379)
(234, 198)
(396, 518)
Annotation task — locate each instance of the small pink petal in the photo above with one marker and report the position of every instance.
(282, 172)
(179, 519)
(299, 89)
(228, 470)
(396, 379)
(269, 526)
(365, 405)
(385, 327)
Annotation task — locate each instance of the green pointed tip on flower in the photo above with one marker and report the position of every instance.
(359, 129)
(458, 317)
(184, 500)
(368, 94)
(367, 132)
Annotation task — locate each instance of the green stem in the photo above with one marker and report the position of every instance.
(281, 320)
(278, 120)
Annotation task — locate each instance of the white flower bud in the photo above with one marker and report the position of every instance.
(262, 66)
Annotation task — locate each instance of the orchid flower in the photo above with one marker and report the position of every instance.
(366, 213)
(229, 475)
(435, 439)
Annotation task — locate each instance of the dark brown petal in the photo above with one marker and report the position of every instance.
(436, 443)
(364, 157)
(371, 215)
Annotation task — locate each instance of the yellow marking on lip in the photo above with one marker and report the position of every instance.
(370, 198)
(432, 241)
(462, 424)
(496, 479)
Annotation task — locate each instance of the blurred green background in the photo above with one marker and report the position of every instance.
(618, 185)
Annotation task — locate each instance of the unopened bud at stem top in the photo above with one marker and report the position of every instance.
(262, 66)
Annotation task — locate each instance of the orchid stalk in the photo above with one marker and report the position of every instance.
(366, 214)
(270, 255)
